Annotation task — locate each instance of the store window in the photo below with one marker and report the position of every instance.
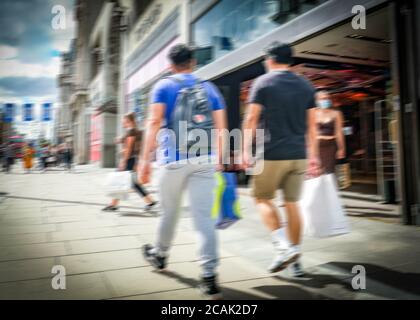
(230, 24)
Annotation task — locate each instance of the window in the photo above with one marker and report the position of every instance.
(230, 24)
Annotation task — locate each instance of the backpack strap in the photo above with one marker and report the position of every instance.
(176, 78)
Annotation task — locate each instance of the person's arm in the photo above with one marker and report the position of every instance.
(154, 122)
(312, 143)
(220, 124)
(127, 151)
(249, 128)
(339, 134)
(156, 114)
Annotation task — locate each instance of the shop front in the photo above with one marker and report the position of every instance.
(360, 69)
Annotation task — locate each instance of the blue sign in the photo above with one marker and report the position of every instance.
(9, 112)
(46, 112)
(27, 112)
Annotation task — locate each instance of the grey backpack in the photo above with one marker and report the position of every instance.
(192, 111)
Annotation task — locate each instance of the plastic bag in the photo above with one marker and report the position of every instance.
(119, 184)
(321, 207)
(343, 172)
(226, 204)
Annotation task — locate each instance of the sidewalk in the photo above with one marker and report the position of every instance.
(55, 219)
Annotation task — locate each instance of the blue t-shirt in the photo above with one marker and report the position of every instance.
(166, 92)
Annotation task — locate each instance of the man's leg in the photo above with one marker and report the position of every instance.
(171, 186)
(200, 188)
(269, 214)
(294, 223)
(292, 193)
(264, 189)
(265, 186)
(201, 183)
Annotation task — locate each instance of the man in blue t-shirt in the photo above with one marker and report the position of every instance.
(179, 173)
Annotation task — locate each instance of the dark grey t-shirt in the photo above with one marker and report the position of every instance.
(285, 98)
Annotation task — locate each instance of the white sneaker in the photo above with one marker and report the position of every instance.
(295, 270)
(283, 259)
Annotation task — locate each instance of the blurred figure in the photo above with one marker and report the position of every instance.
(131, 148)
(286, 102)
(9, 155)
(53, 153)
(28, 156)
(330, 133)
(2, 157)
(45, 152)
(67, 155)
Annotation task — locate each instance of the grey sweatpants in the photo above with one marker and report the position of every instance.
(199, 181)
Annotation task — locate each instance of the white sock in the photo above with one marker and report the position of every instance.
(280, 239)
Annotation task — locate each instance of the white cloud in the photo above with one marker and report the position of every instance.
(15, 68)
(7, 52)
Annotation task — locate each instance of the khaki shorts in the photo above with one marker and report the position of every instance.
(287, 175)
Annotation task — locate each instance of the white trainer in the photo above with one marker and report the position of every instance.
(296, 270)
(284, 258)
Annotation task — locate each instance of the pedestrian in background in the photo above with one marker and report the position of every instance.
(286, 103)
(28, 156)
(9, 154)
(45, 153)
(131, 148)
(330, 134)
(67, 154)
(183, 93)
(2, 157)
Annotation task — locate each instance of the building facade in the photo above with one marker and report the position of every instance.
(104, 47)
(63, 120)
(153, 28)
(86, 15)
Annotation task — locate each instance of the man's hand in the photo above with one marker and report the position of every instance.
(340, 154)
(247, 161)
(144, 171)
(314, 168)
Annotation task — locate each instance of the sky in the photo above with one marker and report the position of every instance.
(30, 51)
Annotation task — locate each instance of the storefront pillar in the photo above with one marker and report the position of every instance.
(406, 53)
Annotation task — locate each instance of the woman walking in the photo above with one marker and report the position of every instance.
(131, 148)
(330, 133)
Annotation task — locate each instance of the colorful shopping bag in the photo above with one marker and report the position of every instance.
(343, 173)
(226, 210)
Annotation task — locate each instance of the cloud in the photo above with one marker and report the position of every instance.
(15, 68)
(30, 48)
(26, 25)
(7, 52)
(24, 86)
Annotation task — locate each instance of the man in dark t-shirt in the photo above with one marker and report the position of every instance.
(283, 103)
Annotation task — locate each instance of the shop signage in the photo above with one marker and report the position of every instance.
(148, 23)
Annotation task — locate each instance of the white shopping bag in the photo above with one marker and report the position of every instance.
(118, 184)
(321, 207)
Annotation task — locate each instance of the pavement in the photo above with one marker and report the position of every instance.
(54, 218)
